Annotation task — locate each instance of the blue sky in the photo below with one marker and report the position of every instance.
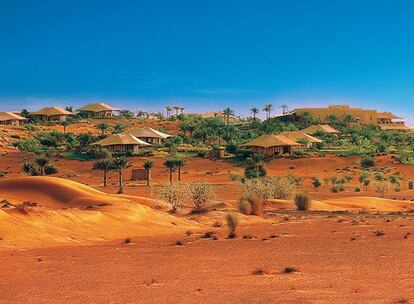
(205, 55)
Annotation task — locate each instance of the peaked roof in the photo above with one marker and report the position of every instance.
(398, 127)
(271, 140)
(320, 128)
(388, 115)
(50, 111)
(4, 116)
(297, 135)
(121, 139)
(97, 107)
(147, 132)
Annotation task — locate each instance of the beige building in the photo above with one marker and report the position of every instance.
(10, 118)
(52, 114)
(270, 145)
(122, 143)
(360, 116)
(298, 136)
(98, 110)
(149, 135)
(321, 128)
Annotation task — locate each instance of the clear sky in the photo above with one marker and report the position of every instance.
(206, 55)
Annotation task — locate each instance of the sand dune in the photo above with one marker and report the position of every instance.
(359, 203)
(50, 224)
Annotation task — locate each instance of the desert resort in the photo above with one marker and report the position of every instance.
(312, 203)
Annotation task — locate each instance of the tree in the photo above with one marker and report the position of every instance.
(348, 118)
(168, 109)
(42, 162)
(179, 163)
(316, 182)
(105, 165)
(284, 108)
(267, 109)
(103, 126)
(118, 128)
(227, 113)
(65, 124)
(27, 168)
(176, 108)
(119, 164)
(254, 111)
(170, 164)
(148, 165)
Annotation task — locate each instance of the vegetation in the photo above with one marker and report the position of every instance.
(302, 201)
(119, 164)
(232, 222)
(176, 195)
(201, 195)
(148, 165)
(105, 165)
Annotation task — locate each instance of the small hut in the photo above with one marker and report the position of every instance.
(149, 135)
(321, 128)
(52, 114)
(299, 136)
(98, 110)
(269, 145)
(10, 118)
(122, 143)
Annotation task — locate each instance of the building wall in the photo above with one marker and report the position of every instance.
(11, 122)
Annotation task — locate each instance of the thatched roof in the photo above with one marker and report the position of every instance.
(147, 132)
(298, 135)
(51, 111)
(387, 115)
(321, 128)
(121, 139)
(392, 127)
(270, 140)
(5, 116)
(97, 107)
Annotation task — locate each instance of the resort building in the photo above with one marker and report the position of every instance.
(52, 114)
(123, 142)
(301, 138)
(149, 135)
(384, 120)
(98, 110)
(321, 128)
(10, 118)
(269, 145)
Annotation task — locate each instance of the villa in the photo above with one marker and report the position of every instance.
(384, 120)
(122, 143)
(10, 118)
(52, 114)
(98, 110)
(269, 145)
(149, 135)
(321, 128)
(301, 138)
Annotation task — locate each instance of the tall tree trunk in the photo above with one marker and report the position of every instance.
(148, 178)
(120, 188)
(171, 176)
(179, 174)
(104, 178)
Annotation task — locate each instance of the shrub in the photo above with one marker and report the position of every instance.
(357, 189)
(367, 162)
(281, 188)
(257, 192)
(316, 182)
(175, 195)
(200, 195)
(202, 154)
(51, 169)
(244, 206)
(410, 184)
(232, 222)
(302, 201)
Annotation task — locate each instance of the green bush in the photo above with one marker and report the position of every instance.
(51, 169)
(357, 189)
(367, 162)
(410, 184)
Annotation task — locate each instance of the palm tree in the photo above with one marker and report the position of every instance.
(254, 111)
(42, 162)
(227, 113)
(348, 118)
(179, 163)
(170, 164)
(257, 160)
(176, 108)
(267, 108)
(119, 164)
(27, 168)
(168, 109)
(102, 127)
(284, 108)
(148, 165)
(105, 165)
(182, 109)
(65, 124)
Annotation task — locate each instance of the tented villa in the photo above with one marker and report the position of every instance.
(10, 118)
(52, 114)
(149, 135)
(269, 145)
(122, 143)
(301, 138)
(98, 110)
(321, 128)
